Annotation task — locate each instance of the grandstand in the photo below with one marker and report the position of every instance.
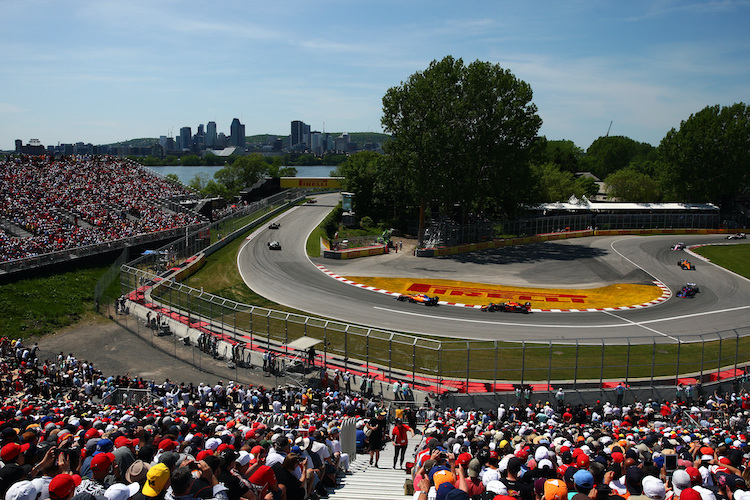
(60, 206)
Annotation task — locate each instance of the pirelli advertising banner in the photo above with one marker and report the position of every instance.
(309, 182)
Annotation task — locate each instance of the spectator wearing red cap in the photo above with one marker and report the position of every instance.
(62, 487)
(125, 452)
(100, 479)
(14, 457)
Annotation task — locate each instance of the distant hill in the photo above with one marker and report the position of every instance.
(143, 142)
(359, 138)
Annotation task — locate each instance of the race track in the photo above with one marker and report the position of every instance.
(289, 277)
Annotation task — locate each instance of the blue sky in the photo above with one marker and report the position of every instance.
(103, 71)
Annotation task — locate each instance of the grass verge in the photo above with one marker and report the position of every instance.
(736, 258)
(48, 302)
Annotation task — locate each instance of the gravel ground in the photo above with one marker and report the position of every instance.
(116, 350)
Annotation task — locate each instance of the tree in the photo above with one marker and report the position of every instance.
(612, 153)
(554, 184)
(361, 176)
(628, 184)
(706, 160)
(461, 135)
(243, 172)
(192, 161)
(199, 182)
(565, 154)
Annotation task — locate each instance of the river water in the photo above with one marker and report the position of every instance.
(187, 173)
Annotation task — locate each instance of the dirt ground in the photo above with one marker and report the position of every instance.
(116, 350)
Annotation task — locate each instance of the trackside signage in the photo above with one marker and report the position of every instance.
(490, 293)
(309, 182)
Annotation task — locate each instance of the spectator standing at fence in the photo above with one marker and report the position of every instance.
(560, 397)
(620, 392)
(311, 355)
(689, 393)
(396, 390)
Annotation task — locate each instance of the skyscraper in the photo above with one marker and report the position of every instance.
(237, 134)
(186, 138)
(298, 133)
(211, 135)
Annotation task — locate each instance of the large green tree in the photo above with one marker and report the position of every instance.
(609, 154)
(361, 176)
(628, 184)
(461, 135)
(554, 184)
(708, 158)
(243, 172)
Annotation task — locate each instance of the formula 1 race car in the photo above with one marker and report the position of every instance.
(419, 298)
(737, 236)
(274, 225)
(274, 245)
(508, 307)
(311, 200)
(686, 264)
(688, 291)
(678, 246)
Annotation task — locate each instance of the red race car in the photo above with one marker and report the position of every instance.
(508, 307)
(419, 298)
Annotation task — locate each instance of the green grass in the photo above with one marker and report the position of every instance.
(736, 258)
(48, 302)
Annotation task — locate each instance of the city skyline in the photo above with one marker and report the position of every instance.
(108, 71)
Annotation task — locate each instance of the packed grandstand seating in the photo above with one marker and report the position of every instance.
(76, 201)
(63, 438)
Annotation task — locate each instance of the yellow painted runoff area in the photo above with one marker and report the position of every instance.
(464, 292)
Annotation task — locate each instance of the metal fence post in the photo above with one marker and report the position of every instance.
(703, 355)
(440, 362)
(494, 378)
(718, 368)
(414, 362)
(575, 371)
(653, 360)
(627, 364)
(390, 357)
(679, 348)
(736, 351)
(549, 366)
(468, 365)
(523, 359)
(601, 369)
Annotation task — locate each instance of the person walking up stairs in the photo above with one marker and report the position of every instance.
(368, 482)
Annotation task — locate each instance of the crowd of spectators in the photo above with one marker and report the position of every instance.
(64, 435)
(76, 201)
(649, 450)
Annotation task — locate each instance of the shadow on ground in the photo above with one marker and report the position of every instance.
(530, 253)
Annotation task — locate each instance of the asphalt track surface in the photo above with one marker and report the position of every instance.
(291, 278)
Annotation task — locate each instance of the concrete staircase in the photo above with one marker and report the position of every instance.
(368, 482)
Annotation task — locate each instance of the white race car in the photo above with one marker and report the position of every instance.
(678, 246)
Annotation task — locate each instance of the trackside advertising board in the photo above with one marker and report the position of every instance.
(355, 253)
(310, 182)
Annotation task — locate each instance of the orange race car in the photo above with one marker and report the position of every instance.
(419, 298)
(686, 264)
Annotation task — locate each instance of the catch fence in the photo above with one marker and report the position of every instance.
(434, 365)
